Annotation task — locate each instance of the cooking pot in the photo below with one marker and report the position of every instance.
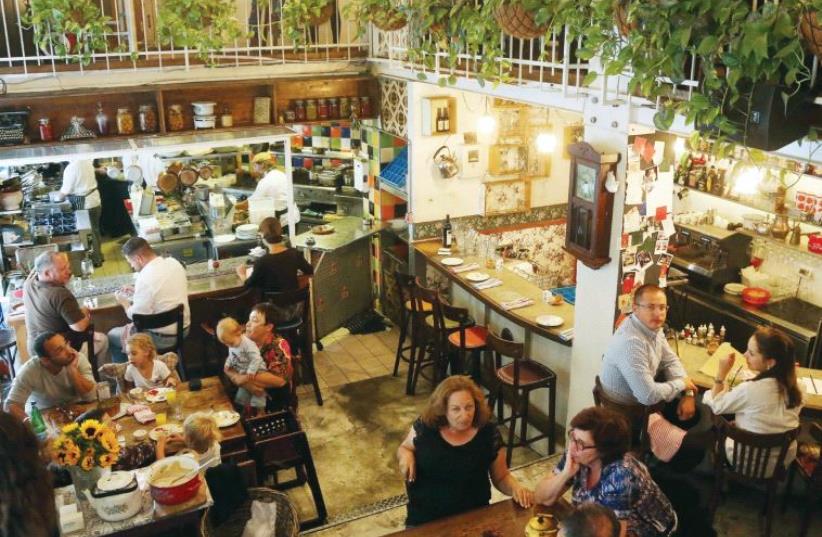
(201, 192)
(188, 176)
(446, 163)
(116, 496)
(815, 243)
(185, 487)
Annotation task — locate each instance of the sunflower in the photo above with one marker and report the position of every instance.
(70, 428)
(72, 456)
(89, 429)
(107, 459)
(109, 441)
(87, 463)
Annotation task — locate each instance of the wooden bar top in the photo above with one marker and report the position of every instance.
(512, 287)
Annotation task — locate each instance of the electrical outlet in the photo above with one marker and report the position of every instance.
(805, 272)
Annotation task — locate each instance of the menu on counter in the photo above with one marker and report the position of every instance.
(739, 371)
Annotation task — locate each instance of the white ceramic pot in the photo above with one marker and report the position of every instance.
(203, 108)
(204, 122)
(116, 496)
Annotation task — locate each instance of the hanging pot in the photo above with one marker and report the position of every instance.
(516, 21)
(811, 32)
(167, 182)
(446, 163)
(188, 176)
(624, 26)
(325, 14)
(389, 20)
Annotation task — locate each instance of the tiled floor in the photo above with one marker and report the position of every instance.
(115, 263)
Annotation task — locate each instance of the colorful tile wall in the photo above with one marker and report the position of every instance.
(425, 230)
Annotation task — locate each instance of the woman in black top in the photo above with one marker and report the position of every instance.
(276, 270)
(449, 453)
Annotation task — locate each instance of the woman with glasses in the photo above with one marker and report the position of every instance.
(450, 452)
(598, 468)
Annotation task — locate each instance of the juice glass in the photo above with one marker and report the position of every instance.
(161, 418)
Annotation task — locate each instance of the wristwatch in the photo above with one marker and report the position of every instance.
(689, 393)
(719, 381)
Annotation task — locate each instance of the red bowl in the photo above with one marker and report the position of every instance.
(178, 493)
(756, 296)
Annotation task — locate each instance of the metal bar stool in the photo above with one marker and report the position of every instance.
(522, 376)
(467, 337)
(406, 285)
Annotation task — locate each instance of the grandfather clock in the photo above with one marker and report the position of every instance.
(590, 205)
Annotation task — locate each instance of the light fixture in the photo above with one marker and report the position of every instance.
(486, 123)
(546, 142)
(747, 182)
(679, 148)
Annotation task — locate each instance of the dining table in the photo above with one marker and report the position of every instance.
(501, 519)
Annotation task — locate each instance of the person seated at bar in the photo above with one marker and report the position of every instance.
(638, 354)
(161, 285)
(144, 370)
(58, 375)
(589, 520)
(598, 468)
(450, 452)
(277, 270)
(50, 307)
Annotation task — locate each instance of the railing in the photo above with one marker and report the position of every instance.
(133, 42)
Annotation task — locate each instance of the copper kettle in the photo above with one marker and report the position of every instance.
(780, 228)
(796, 234)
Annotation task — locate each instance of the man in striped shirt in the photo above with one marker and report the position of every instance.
(639, 365)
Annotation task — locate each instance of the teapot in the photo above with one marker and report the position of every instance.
(446, 163)
(116, 496)
(542, 525)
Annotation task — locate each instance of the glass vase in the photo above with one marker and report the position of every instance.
(85, 479)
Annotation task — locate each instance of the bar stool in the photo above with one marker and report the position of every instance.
(8, 348)
(467, 337)
(522, 376)
(406, 285)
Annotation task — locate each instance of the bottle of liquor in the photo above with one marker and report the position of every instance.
(440, 120)
(446, 120)
(38, 426)
(446, 232)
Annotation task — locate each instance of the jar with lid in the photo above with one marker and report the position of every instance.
(289, 116)
(365, 106)
(345, 108)
(311, 110)
(356, 110)
(102, 120)
(125, 121)
(175, 117)
(333, 108)
(322, 109)
(227, 120)
(147, 118)
(299, 110)
(46, 130)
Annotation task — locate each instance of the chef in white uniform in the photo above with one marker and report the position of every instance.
(79, 182)
(273, 185)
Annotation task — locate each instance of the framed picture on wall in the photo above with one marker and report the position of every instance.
(507, 196)
(473, 160)
(505, 159)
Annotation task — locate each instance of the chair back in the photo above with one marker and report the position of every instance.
(288, 300)
(77, 339)
(431, 296)
(502, 346)
(458, 315)
(636, 414)
(144, 322)
(405, 286)
(236, 306)
(750, 459)
(816, 476)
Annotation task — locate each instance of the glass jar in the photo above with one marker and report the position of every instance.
(175, 117)
(147, 118)
(46, 130)
(102, 120)
(227, 120)
(333, 108)
(311, 110)
(289, 116)
(322, 109)
(345, 108)
(365, 106)
(125, 121)
(299, 110)
(355, 108)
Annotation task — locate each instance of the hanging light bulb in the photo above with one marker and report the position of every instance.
(486, 123)
(747, 182)
(679, 148)
(546, 142)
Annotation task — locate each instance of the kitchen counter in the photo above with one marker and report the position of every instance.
(347, 230)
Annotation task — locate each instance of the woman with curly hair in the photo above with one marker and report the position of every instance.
(26, 493)
(450, 452)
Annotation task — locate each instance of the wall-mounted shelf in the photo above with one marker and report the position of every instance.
(432, 107)
(768, 210)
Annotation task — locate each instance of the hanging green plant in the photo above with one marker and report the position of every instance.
(384, 14)
(299, 15)
(72, 29)
(203, 25)
(519, 18)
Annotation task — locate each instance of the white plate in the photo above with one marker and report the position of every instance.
(168, 428)
(734, 288)
(224, 239)
(550, 320)
(157, 395)
(476, 276)
(226, 418)
(451, 261)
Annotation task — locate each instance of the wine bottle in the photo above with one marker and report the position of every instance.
(446, 120)
(446, 232)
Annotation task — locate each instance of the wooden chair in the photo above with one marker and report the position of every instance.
(8, 349)
(299, 332)
(637, 415)
(467, 337)
(406, 285)
(236, 306)
(147, 322)
(811, 473)
(86, 337)
(749, 463)
(278, 443)
(521, 376)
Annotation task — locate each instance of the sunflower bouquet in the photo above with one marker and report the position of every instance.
(86, 445)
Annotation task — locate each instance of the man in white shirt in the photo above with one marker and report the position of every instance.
(79, 181)
(161, 285)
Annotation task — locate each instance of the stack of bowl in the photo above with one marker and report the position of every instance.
(247, 231)
(204, 117)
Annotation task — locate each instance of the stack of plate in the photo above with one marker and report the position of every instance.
(247, 231)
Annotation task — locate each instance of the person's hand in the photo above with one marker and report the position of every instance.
(686, 408)
(171, 382)
(689, 384)
(523, 496)
(571, 465)
(174, 438)
(408, 465)
(75, 359)
(242, 271)
(725, 365)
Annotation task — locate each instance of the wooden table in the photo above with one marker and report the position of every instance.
(693, 357)
(506, 518)
(212, 396)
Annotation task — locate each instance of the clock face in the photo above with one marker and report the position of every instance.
(586, 179)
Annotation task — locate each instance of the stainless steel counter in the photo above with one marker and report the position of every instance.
(347, 230)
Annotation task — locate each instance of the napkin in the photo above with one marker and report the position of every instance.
(565, 335)
(465, 268)
(516, 304)
(489, 283)
(812, 386)
(444, 251)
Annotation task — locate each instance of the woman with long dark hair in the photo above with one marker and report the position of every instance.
(768, 403)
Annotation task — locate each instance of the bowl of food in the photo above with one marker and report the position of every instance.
(756, 296)
(174, 480)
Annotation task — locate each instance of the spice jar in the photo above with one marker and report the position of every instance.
(311, 110)
(227, 120)
(102, 120)
(365, 106)
(355, 107)
(299, 110)
(333, 108)
(46, 131)
(175, 117)
(289, 116)
(345, 108)
(322, 109)
(147, 118)
(125, 121)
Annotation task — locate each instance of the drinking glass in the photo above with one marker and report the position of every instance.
(161, 418)
(173, 404)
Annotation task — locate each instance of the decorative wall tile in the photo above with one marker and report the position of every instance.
(394, 106)
(425, 230)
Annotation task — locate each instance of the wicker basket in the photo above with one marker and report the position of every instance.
(390, 20)
(624, 26)
(325, 14)
(288, 523)
(811, 32)
(515, 21)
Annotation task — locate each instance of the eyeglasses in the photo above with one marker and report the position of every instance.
(655, 307)
(578, 443)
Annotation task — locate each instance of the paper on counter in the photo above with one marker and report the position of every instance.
(516, 304)
(811, 385)
(488, 284)
(465, 268)
(738, 372)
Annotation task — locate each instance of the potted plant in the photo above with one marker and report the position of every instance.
(203, 25)
(72, 29)
(299, 15)
(85, 449)
(384, 14)
(520, 18)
